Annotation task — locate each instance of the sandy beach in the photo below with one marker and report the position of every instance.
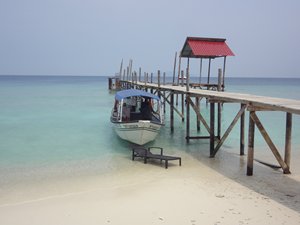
(201, 191)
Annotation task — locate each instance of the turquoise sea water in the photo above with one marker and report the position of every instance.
(63, 122)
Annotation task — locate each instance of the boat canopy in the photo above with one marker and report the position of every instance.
(133, 92)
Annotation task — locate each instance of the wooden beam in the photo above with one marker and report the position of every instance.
(250, 156)
(229, 129)
(270, 143)
(175, 109)
(198, 114)
(199, 137)
(259, 108)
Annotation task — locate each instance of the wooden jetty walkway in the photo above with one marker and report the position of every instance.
(251, 103)
(192, 93)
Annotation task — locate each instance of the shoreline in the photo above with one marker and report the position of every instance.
(201, 191)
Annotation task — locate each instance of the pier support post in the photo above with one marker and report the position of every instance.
(127, 78)
(158, 83)
(140, 74)
(174, 69)
(151, 81)
(164, 92)
(250, 157)
(182, 106)
(182, 96)
(198, 119)
(212, 129)
(288, 138)
(172, 112)
(242, 132)
(187, 119)
(219, 120)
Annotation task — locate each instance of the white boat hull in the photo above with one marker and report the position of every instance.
(140, 132)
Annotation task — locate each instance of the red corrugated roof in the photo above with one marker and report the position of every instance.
(205, 48)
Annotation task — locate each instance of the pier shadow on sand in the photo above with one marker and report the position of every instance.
(267, 181)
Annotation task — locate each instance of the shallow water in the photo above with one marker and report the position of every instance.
(59, 125)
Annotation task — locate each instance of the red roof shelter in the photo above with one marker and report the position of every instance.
(206, 48)
(196, 47)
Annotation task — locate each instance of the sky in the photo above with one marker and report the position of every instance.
(91, 37)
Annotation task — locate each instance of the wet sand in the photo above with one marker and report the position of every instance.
(201, 191)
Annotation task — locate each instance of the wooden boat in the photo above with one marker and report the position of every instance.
(137, 116)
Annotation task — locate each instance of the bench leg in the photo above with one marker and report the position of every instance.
(179, 162)
(166, 164)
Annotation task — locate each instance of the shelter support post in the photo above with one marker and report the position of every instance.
(224, 67)
(200, 75)
(208, 75)
(188, 75)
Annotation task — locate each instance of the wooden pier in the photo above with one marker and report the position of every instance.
(192, 94)
(251, 103)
